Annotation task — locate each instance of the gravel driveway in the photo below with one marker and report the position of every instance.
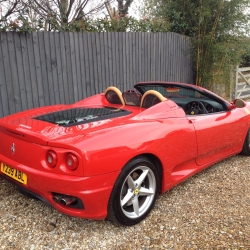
(209, 211)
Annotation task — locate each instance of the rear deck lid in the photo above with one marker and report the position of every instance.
(40, 127)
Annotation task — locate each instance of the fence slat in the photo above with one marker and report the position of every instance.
(11, 70)
(243, 89)
(44, 68)
(36, 75)
(3, 82)
(243, 69)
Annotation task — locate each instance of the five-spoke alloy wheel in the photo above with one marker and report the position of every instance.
(134, 192)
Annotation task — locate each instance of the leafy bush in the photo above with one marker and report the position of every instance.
(125, 24)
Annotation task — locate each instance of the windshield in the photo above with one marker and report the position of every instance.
(192, 99)
(173, 91)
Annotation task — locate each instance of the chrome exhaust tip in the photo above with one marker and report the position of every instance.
(57, 198)
(67, 200)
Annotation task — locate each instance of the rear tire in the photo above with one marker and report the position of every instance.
(134, 193)
(246, 146)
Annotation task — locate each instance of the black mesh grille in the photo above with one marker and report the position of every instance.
(72, 117)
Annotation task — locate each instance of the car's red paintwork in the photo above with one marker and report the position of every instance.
(182, 145)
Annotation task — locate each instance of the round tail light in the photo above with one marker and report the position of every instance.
(51, 158)
(71, 161)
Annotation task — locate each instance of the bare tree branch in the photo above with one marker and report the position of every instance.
(10, 7)
(71, 2)
(123, 8)
(79, 9)
(65, 11)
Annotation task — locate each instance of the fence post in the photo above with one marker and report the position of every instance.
(236, 81)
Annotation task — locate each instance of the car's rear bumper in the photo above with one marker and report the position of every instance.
(93, 192)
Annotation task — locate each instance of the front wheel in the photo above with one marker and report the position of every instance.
(134, 192)
(246, 146)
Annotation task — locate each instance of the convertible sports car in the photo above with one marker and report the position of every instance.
(109, 156)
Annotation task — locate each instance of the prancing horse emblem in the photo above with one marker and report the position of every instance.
(12, 148)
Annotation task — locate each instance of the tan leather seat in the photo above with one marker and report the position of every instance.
(151, 97)
(114, 95)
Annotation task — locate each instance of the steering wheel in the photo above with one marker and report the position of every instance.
(195, 108)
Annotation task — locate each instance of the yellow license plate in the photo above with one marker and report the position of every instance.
(14, 173)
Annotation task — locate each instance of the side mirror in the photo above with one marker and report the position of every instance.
(238, 103)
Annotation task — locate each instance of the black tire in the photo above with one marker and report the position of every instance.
(246, 146)
(137, 188)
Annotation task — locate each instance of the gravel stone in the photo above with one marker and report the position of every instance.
(210, 210)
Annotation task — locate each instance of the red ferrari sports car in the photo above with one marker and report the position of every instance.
(109, 156)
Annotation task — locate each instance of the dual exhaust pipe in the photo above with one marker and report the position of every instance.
(64, 199)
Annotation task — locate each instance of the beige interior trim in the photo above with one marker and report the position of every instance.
(153, 92)
(117, 91)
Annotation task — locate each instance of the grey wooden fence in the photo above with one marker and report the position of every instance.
(45, 68)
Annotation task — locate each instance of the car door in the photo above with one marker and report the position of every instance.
(219, 134)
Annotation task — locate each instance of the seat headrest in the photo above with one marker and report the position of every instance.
(151, 97)
(114, 95)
